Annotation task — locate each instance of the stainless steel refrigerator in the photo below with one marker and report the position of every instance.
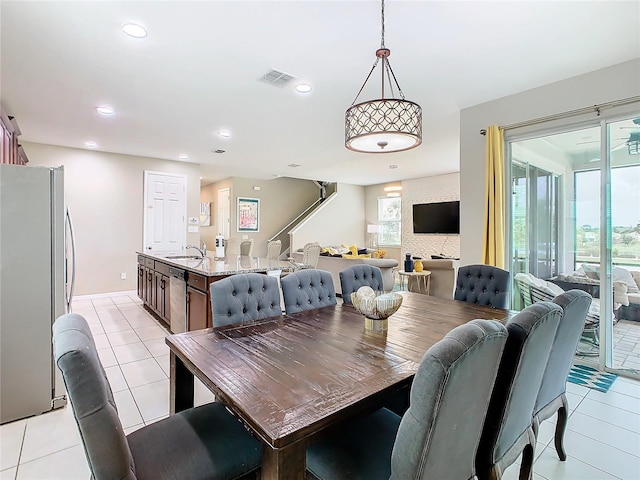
(34, 278)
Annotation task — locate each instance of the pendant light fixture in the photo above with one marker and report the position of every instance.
(384, 125)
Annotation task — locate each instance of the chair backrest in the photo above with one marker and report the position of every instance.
(356, 276)
(232, 246)
(245, 297)
(246, 247)
(273, 249)
(531, 334)
(439, 433)
(575, 304)
(94, 408)
(307, 289)
(523, 283)
(311, 254)
(483, 285)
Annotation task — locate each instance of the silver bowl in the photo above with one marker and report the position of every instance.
(376, 306)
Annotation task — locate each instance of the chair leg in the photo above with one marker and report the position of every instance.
(561, 425)
(526, 467)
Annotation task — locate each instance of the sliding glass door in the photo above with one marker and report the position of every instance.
(575, 221)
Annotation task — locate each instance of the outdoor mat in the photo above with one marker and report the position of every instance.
(591, 377)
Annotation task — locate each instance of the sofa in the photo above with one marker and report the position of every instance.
(335, 265)
(626, 288)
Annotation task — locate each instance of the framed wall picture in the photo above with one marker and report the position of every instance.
(248, 214)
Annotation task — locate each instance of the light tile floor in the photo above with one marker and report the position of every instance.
(602, 440)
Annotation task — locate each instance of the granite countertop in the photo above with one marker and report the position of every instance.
(213, 267)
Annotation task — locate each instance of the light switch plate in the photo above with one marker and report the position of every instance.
(194, 220)
(192, 229)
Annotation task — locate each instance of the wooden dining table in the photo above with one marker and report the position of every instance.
(290, 379)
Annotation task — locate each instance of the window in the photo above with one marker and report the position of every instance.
(389, 218)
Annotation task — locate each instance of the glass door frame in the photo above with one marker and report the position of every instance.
(603, 119)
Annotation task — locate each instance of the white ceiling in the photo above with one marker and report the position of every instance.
(197, 72)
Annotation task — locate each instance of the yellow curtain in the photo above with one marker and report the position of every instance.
(494, 209)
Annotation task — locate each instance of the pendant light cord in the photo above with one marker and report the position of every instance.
(382, 34)
(385, 65)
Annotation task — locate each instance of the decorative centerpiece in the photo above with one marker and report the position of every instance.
(376, 307)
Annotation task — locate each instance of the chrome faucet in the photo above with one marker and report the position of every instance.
(202, 252)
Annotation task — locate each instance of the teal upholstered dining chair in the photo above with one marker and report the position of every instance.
(551, 398)
(244, 297)
(205, 442)
(307, 289)
(438, 435)
(356, 276)
(508, 429)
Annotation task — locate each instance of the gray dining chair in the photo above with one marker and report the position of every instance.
(483, 285)
(552, 395)
(273, 249)
(198, 443)
(307, 289)
(438, 435)
(232, 247)
(244, 297)
(356, 276)
(508, 430)
(246, 247)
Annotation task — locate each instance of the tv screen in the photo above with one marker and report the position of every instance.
(442, 217)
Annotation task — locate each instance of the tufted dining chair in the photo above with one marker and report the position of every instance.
(483, 285)
(551, 397)
(438, 435)
(197, 443)
(244, 297)
(356, 276)
(508, 430)
(307, 289)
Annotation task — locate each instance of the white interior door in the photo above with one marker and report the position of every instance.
(165, 211)
(222, 216)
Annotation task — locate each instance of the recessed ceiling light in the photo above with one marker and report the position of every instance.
(393, 188)
(393, 194)
(219, 150)
(90, 144)
(105, 110)
(224, 133)
(183, 156)
(303, 88)
(134, 30)
(293, 165)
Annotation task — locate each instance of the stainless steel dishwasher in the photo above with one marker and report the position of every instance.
(178, 300)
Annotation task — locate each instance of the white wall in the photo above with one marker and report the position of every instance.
(601, 86)
(439, 188)
(281, 200)
(338, 220)
(104, 193)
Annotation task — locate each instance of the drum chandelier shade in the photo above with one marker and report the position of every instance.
(384, 125)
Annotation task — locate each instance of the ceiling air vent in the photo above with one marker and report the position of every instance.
(293, 165)
(277, 78)
(219, 151)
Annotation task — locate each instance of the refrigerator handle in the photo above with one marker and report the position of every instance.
(73, 260)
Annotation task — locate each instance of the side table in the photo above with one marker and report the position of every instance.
(421, 280)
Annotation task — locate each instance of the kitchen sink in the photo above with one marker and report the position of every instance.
(183, 257)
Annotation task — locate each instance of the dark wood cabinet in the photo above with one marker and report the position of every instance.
(198, 305)
(10, 150)
(196, 309)
(154, 289)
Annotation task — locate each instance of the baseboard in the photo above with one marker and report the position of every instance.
(103, 295)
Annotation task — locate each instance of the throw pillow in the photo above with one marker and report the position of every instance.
(623, 275)
(591, 271)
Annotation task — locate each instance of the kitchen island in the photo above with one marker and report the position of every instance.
(175, 286)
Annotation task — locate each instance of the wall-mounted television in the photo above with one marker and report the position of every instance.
(437, 218)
